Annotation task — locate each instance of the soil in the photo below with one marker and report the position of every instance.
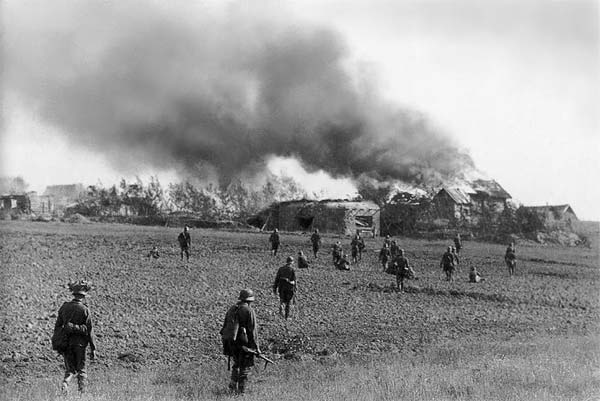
(167, 312)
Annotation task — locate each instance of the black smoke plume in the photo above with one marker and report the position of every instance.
(143, 83)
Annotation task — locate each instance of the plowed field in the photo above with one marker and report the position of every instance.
(165, 311)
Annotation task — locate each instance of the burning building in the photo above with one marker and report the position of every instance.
(329, 216)
(469, 203)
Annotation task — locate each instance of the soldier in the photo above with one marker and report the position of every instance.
(240, 335)
(342, 263)
(394, 249)
(275, 242)
(447, 264)
(75, 320)
(474, 276)
(185, 242)
(354, 247)
(336, 252)
(510, 257)
(154, 253)
(455, 255)
(457, 243)
(403, 269)
(315, 239)
(387, 241)
(302, 261)
(285, 285)
(385, 256)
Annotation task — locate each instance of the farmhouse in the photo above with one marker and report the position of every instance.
(57, 197)
(470, 202)
(16, 203)
(329, 216)
(556, 216)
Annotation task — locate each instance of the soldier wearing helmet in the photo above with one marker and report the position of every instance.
(74, 319)
(448, 263)
(285, 285)
(239, 334)
(275, 242)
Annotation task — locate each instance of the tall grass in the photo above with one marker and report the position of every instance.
(537, 369)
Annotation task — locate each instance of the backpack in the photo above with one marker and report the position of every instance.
(230, 332)
(60, 337)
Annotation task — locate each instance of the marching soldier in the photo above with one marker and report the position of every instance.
(240, 339)
(302, 261)
(394, 249)
(403, 269)
(285, 286)
(457, 243)
(447, 264)
(275, 242)
(510, 258)
(185, 242)
(315, 239)
(385, 256)
(74, 319)
(357, 245)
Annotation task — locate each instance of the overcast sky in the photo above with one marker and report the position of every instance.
(515, 83)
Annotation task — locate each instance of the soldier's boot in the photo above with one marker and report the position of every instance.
(65, 383)
(242, 385)
(81, 383)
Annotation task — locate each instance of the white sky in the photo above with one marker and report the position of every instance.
(516, 83)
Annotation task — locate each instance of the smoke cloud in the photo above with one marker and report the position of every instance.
(163, 87)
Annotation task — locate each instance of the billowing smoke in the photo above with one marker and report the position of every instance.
(148, 84)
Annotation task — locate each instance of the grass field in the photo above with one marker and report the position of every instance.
(352, 336)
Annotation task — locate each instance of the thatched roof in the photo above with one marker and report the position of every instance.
(557, 210)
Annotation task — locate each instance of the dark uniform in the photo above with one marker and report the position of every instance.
(448, 264)
(356, 246)
(474, 276)
(342, 263)
(336, 252)
(510, 257)
(302, 261)
(275, 242)
(154, 253)
(285, 285)
(246, 336)
(457, 244)
(385, 256)
(315, 240)
(76, 319)
(185, 242)
(402, 268)
(394, 249)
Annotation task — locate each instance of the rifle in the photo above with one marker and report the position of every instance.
(258, 354)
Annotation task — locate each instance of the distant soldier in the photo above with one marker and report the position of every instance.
(448, 264)
(342, 263)
(394, 249)
(302, 261)
(356, 247)
(285, 285)
(185, 242)
(385, 256)
(456, 259)
(239, 335)
(275, 241)
(336, 252)
(402, 269)
(510, 257)
(387, 241)
(75, 322)
(154, 253)
(474, 276)
(315, 239)
(457, 243)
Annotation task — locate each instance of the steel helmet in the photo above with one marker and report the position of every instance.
(246, 295)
